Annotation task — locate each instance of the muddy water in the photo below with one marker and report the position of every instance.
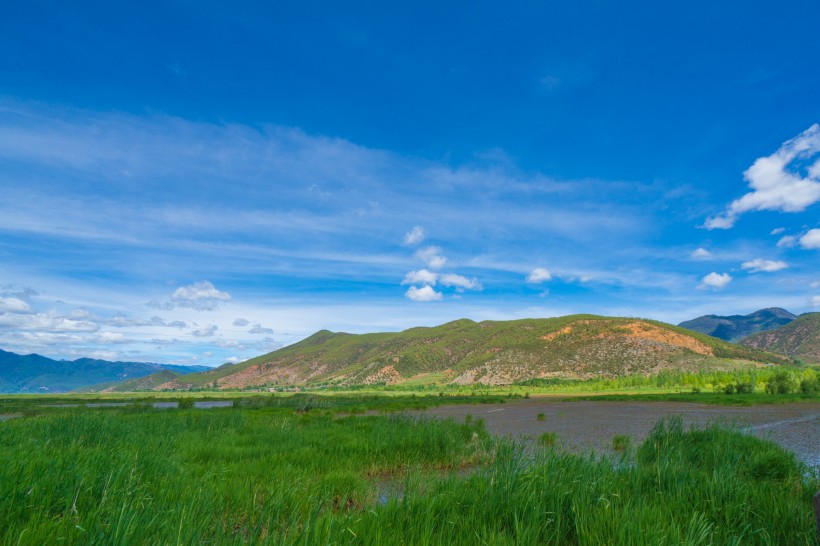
(583, 426)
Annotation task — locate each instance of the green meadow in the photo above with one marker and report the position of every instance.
(351, 470)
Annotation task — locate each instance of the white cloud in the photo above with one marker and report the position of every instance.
(539, 275)
(414, 236)
(815, 301)
(773, 186)
(787, 241)
(811, 239)
(777, 231)
(432, 256)
(201, 295)
(767, 266)
(13, 305)
(701, 254)
(259, 329)
(423, 294)
(241, 322)
(421, 276)
(207, 331)
(109, 337)
(715, 280)
(47, 323)
(459, 281)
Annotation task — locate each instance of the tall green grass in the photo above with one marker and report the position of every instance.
(308, 476)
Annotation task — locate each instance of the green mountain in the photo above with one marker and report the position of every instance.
(38, 374)
(736, 327)
(493, 353)
(800, 338)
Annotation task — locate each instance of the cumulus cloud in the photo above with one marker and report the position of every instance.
(539, 275)
(815, 301)
(208, 331)
(13, 305)
(787, 241)
(201, 295)
(777, 231)
(421, 276)
(259, 329)
(414, 236)
(459, 281)
(774, 186)
(432, 257)
(241, 322)
(764, 266)
(715, 281)
(701, 254)
(423, 294)
(811, 239)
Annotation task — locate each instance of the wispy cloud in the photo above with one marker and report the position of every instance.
(207, 331)
(432, 257)
(539, 275)
(459, 281)
(414, 236)
(760, 265)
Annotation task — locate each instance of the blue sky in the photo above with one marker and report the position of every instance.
(197, 182)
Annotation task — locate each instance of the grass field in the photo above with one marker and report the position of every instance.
(298, 470)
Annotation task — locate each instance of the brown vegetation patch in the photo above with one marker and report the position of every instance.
(644, 330)
(388, 375)
(555, 334)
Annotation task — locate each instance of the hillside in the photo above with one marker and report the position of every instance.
(37, 374)
(736, 327)
(466, 352)
(146, 383)
(800, 339)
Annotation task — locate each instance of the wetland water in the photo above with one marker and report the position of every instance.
(583, 426)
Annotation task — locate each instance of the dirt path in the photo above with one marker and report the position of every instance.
(583, 426)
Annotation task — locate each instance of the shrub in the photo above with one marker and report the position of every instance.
(729, 389)
(621, 442)
(548, 439)
(540, 417)
(781, 383)
(809, 386)
(185, 403)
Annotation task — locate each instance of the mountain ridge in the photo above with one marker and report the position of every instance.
(489, 352)
(800, 339)
(736, 327)
(37, 373)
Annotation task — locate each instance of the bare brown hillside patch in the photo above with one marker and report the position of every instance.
(388, 375)
(645, 330)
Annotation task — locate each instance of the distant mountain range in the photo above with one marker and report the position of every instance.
(490, 353)
(736, 327)
(39, 374)
(800, 338)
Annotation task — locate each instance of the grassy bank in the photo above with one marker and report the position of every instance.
(260, 473)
